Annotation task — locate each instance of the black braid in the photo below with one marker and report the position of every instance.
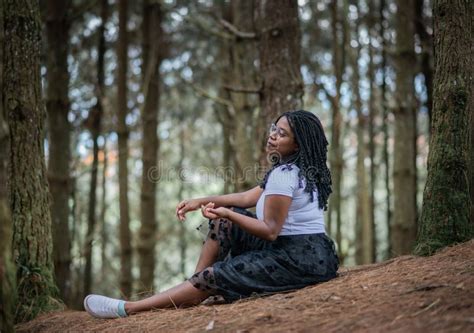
(311, 157)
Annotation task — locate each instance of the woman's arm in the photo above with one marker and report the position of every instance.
(243, 199)
(275, 212)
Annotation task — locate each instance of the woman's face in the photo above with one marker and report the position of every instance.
(281, 139)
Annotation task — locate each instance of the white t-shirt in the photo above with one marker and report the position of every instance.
(304, 216)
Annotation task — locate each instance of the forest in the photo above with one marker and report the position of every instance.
(114, 111)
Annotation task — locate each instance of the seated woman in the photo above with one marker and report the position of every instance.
(283, 247)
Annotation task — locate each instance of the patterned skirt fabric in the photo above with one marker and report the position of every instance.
(249, 265)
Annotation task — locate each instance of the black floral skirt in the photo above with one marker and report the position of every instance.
(249, 265)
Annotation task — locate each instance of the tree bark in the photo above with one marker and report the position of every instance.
(7, 268)
(95, 127)
(243, 74)
(445, 217)
(122, 132)
(152, 42)
(404, 171)
(27, 186)
(57, 105)
(280, 48)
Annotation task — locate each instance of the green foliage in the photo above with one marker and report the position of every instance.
(37, 293)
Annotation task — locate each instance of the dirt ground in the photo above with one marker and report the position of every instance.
(405, 294)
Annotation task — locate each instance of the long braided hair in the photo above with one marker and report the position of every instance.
(311, 156)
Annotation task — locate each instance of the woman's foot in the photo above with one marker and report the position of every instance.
(104, 307)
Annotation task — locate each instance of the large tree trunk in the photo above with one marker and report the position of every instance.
(363, 252)
(122, 132)
(280, 48)
(27, 186)
(152, 42)
(243, 75)
(446, 201)
(57, 104)
(7, 269)
(95, 127)
(404, 171)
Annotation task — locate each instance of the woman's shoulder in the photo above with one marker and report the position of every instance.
(284, 172)
(288, 168)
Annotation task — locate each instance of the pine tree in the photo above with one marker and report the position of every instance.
(445, 217)
(27, 186)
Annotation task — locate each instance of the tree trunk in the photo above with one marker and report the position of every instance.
(102, 220)
(27, 185)
(7, 269)
(122, 132)
(280, 48)
(95, 128)
(336, 128)
(386, 162)
(446, 200)
(243, 74)
(404, 171)
(363, 252)
(57, 105)
(152, 41)
(370, 228)
(182, 229)
(426, 43)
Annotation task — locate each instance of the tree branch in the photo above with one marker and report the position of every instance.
(252, 90)
(321, 87)
(233, 29)
(201, 92)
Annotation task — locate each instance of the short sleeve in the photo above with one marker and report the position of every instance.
(283, 181)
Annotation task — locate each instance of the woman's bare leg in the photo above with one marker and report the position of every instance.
(208, 256)
(184, 294)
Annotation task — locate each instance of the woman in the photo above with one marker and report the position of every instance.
(282, 247)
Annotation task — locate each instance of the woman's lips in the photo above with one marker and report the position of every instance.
(270, 145)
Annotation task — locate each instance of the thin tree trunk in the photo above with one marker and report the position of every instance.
(370, 228)
(122, 132)
(386, 162)
(27, 185)
(363, 230)
(103, 210)
(152, 40)
(182, 229)
(7, 268)
(446, 200)
(57, 105)
(95, 127)
(426, 41)
(404, 171)
(336, 130)
(280, 48)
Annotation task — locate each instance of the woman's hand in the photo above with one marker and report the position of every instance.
(186, 206)
(210, 212)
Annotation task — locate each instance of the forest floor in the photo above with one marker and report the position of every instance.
(404, 294)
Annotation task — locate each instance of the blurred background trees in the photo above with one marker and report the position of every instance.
(153, 101)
